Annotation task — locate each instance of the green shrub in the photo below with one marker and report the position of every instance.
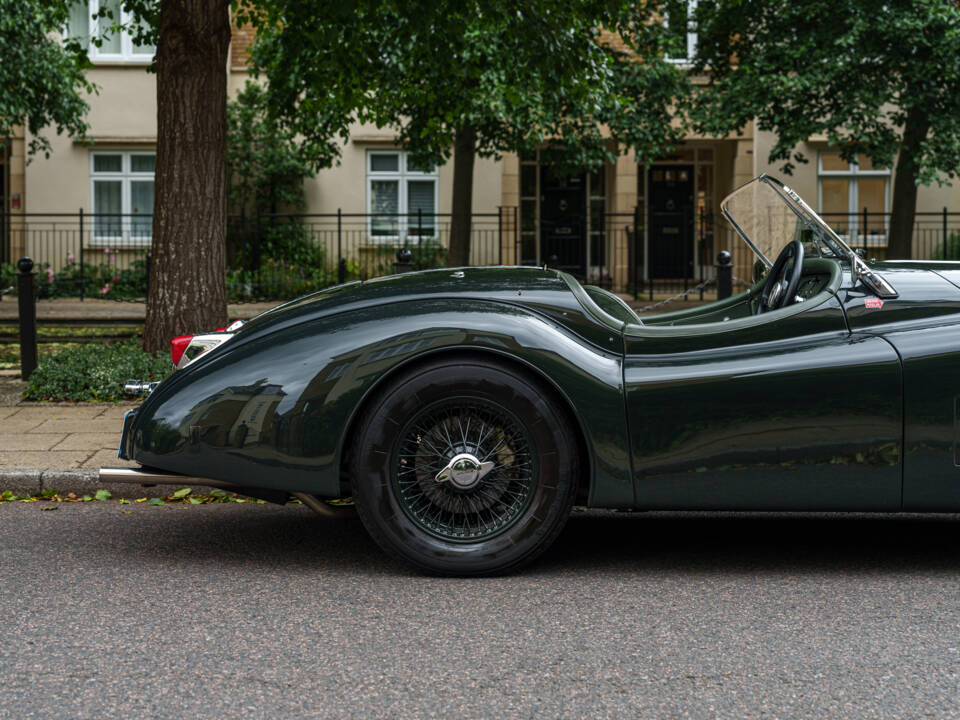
(95, 372)
(952, 250)
(105, 279)
(8, 276)
(428, 254)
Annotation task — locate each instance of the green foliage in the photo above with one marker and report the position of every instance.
(42, 79)
(264, 163)
(266, 172)
(950, 250)
(517, 75)
(104, 279)
(428, 254)
(8, 277)
(93, 372)
(876, 79)
(274, 279)
(853, 71)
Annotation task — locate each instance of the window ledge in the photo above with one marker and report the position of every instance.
(119, 140)
(138, 63)
(118, 243)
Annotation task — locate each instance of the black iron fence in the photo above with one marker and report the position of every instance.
(282, 256)
(684, 261)
(279, 256)
(936, 235)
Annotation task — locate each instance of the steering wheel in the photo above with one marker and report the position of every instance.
(779, 290)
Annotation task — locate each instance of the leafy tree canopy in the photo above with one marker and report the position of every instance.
(42, 80)
(854, 71)
(265, 169)
(878, 79)
(518, 74)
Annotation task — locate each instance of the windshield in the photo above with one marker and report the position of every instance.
(769, 216)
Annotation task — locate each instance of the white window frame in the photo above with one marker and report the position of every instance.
(852, 174)
(127, 52)
(402, 175)
(125, 176)
(691, 36)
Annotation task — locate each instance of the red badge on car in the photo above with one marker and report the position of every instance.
(873, 303)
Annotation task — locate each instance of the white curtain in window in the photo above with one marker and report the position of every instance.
(111, 40)
(384, 198)
(420, 194)
(79, 23)
(107, 198)
(143, 163)
(107, 163)
(141, 206)
(384, 163)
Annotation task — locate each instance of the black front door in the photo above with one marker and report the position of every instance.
(670, 221)
(563, 231)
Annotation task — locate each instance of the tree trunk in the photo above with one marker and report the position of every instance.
(464, 153)
(904, 209)
(187, 285)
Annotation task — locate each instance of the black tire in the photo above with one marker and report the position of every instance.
(511, 514)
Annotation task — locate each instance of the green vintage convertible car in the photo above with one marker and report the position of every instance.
(467, 410)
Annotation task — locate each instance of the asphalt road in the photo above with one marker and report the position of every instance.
(112, 610)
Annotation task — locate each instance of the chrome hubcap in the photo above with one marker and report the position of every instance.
(464, 471)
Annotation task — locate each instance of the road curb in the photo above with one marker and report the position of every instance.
(27, 481)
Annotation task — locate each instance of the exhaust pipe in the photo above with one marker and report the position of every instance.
(320, 507)
(138, 388)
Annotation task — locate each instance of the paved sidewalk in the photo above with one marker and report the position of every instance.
(61, 446)
(47, 436)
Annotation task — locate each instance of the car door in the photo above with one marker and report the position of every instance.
(781, 411)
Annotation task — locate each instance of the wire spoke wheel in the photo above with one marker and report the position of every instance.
(464, 469)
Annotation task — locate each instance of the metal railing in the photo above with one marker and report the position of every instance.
(936, 235)
(281, 256)
(268, 256)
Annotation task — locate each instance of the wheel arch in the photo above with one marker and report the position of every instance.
(584, 450)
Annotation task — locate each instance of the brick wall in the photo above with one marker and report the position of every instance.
(240, 41)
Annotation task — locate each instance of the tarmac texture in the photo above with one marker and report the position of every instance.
(262, 611)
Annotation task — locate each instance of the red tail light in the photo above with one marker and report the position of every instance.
(178, 346)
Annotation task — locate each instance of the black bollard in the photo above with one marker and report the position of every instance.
(404, 261)
(27, 304)
(724, 275)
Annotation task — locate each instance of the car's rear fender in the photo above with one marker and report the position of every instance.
(274, 412)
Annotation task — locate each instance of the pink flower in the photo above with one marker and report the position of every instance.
(49, 275)
(116, 277)
(70, 256)
(105, 289)
(106, 251)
